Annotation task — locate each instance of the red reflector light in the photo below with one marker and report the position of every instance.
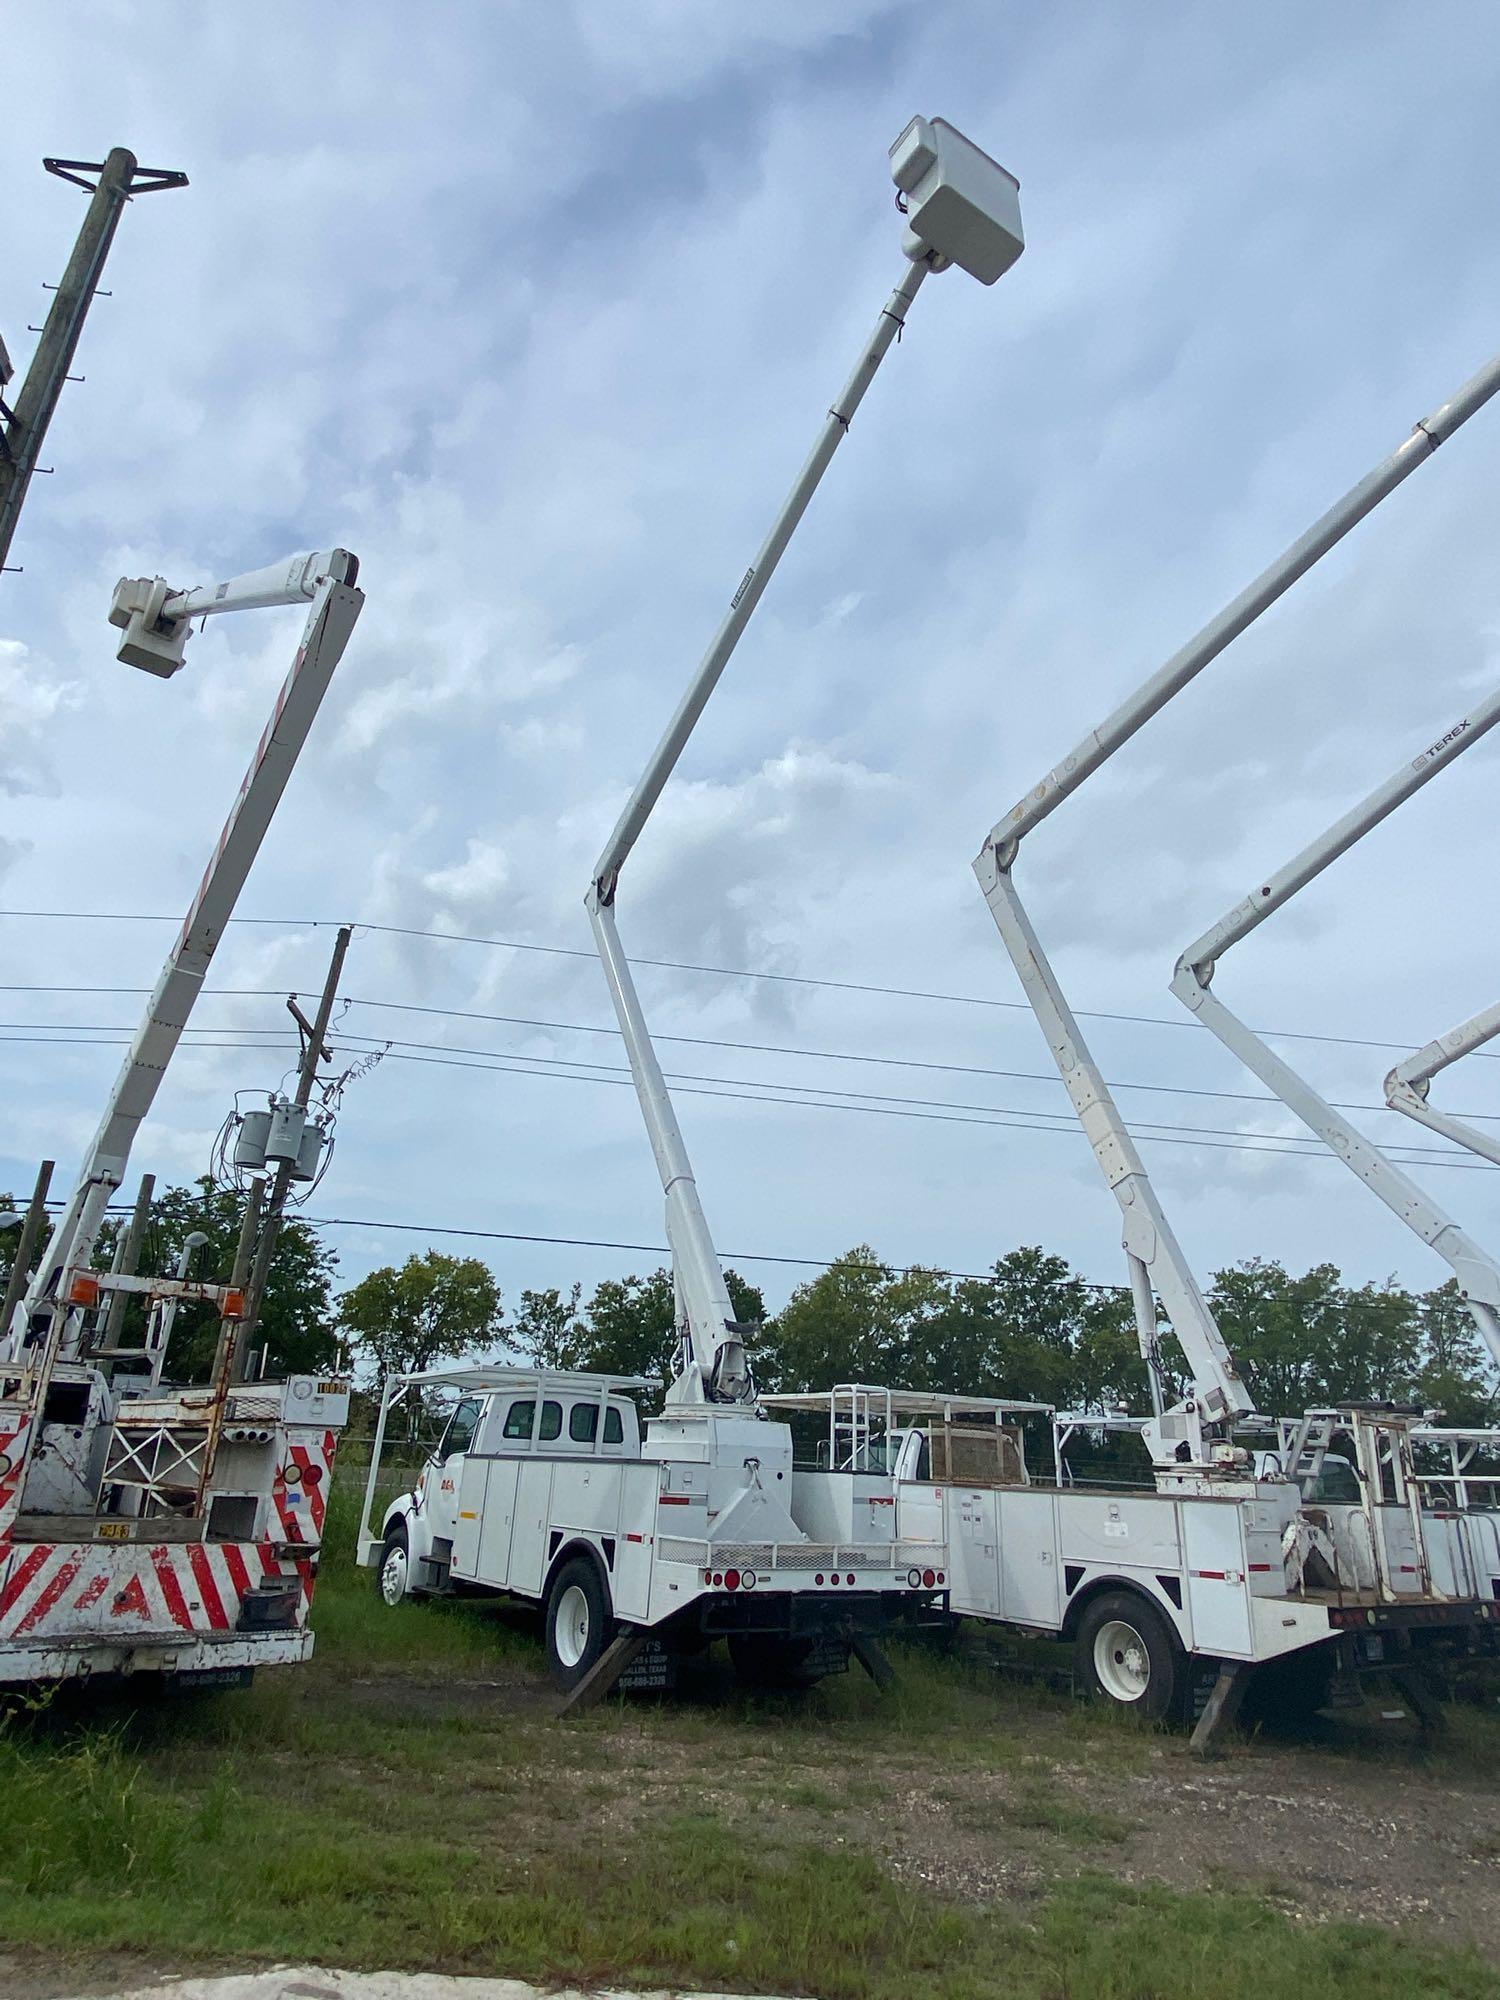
(311, 1474)
(819, 1577)
(731, 1579)
(718, 1578)
(941, 1577)
(708, 1576)
(850, 1577)
(929, 1578)
(834, 1578)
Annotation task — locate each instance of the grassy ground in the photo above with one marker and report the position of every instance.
(407, 1800)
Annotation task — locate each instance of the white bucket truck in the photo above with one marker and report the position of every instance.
(708, 1496)
(146, 1528)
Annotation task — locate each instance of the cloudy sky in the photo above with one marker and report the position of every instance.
(537, 309)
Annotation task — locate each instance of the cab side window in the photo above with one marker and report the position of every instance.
(583, 1422)
(461, 1427)
(614, 1430)
(520, 1418)
(551, 1421)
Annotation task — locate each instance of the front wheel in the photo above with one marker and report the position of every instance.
(578, 1621)
(393, 1573)
(1128, 1655)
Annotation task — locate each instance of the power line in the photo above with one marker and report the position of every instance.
(650, 1249)
(747, 1090)
(714, 971)
(694, 1041)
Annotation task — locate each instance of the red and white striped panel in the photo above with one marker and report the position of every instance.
(14, 1431)
(299, 1491)
(109, 1590)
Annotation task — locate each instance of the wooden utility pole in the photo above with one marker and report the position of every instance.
(127, 1260)
(314, 1052)
(26, 1248)
(23, 428)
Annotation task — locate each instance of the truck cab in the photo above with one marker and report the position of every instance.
(496, 1429)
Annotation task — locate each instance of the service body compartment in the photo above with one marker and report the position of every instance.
(1120, 1531)
(1030, 1580)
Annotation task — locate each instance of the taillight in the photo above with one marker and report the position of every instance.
(914, 1578)
(718, 1578)
(929, 1578)
(747, 1581)
(731, 1579)
(941, 1577)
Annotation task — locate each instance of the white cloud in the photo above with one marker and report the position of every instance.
(538, 311)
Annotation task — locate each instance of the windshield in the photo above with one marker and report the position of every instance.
(878, 1455)
(1337, 1484)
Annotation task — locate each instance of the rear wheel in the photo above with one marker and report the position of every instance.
(578, 1621)
(393, 1574)
(1128, 1655)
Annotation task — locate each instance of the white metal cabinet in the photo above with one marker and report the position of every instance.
(493, 1565)
(974, 1552)
(1030, 1585)
(473, 1481)
(1218, 1600)
(533, 1510)
(1129, 1531)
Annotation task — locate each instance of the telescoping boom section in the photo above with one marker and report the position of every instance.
(156, 622)
(1477, 1272)
(1192, 1440)
(147, 1527)
(1408, 1085)
(962, 209)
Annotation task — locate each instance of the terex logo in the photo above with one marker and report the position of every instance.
(1436, 749)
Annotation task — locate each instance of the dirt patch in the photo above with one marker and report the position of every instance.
(1319, 1836)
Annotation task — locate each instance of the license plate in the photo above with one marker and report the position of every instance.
(220, 1677)
(111, 1531)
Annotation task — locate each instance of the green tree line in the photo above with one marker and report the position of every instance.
(1029, 1329)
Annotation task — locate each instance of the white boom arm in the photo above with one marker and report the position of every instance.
(156, 622)
(1477, 1272)
(1407, 1085)
(961, 208)
(1154, 1256)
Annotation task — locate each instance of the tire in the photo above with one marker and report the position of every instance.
(393, 1571)
(579, 1626)
(1128, 1656)
(766, 1660)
